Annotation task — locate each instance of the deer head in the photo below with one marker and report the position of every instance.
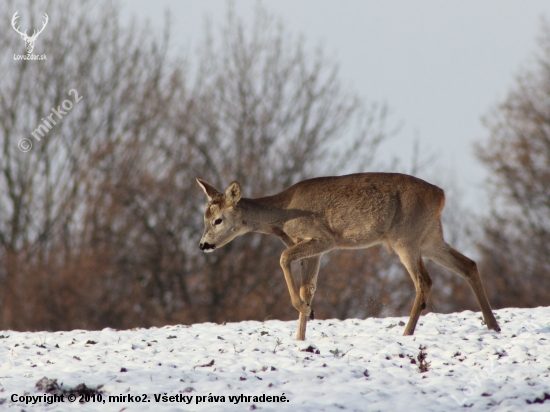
(222, 218)
(29, 40)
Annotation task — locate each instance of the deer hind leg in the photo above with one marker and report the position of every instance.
(310, 270)
(452, 259)
(422, 283)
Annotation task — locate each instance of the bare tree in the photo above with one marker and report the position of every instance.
(516, 242)
(56, 269)
(100, 219)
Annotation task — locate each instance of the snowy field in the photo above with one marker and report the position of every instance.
(361, 365)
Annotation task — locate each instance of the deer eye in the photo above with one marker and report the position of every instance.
(217, 221)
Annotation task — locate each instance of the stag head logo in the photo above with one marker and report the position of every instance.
(29, 40)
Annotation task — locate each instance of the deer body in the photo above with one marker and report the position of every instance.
(347, 212)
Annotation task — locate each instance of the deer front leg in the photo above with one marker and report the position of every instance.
(310, 269)
(302, 250)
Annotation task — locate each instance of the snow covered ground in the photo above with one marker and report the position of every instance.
(362, 365)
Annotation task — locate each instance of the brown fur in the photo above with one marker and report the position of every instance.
(355, 211)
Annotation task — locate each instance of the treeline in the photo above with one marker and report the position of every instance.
(100, 220)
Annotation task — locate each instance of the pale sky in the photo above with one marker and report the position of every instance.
(439, 65)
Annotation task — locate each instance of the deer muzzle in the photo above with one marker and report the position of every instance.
(206, 247)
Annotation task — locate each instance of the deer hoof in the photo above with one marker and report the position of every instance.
(496, 328)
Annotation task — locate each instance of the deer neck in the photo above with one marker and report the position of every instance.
(263, 215)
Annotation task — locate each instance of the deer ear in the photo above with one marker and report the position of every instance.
(233, 193)
(209, 190)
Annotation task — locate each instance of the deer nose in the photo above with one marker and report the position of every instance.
(206, 246)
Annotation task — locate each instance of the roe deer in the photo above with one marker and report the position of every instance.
(346, 212)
